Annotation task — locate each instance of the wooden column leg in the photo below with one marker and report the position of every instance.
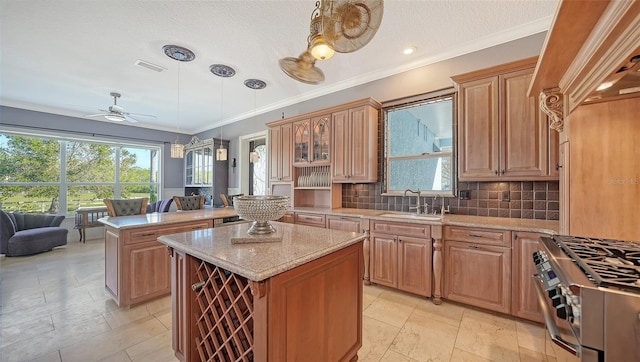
(366, 250)
(437, 264)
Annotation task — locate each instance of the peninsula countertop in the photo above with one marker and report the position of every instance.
(261, 260)
(167, 218)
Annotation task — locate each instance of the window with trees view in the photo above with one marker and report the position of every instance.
(57, 176)
(420, 144)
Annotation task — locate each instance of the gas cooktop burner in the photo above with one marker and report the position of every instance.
(610, 263)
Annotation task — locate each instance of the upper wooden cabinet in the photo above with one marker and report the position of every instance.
(312, 140)
(280, 138)
(355, 144)
(501, 131)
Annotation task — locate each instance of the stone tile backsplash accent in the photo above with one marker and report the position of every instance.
(516, 199)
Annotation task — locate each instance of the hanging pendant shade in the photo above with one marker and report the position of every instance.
(221, 153)
(177, 149)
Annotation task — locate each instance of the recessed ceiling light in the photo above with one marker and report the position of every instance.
(178, 53)
(604, 86)
(222, 70)
(409, 50)
(255, 84)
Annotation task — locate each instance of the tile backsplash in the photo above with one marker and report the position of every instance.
(516, 199)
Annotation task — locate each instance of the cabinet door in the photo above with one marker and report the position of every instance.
(112, 263)
(148, 271)
(275, 153)
(384, 260)
(478, 275)
(207, 165)
(341, 146)
(363, 140)
(301, 141)
(479, 153)
(321, 127)
(525, 301)
(523, 131)
(280, 153)
(414, 265)
(188, 168)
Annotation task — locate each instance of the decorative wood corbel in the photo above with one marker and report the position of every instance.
(258, 289)
(552, 103)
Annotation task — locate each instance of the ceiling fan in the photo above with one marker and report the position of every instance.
(342, 26)
(116, 113)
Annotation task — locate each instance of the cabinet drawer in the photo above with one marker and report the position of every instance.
(344, 223)
(152, 233)
(310, 219)
(407, 229)
(478, 235)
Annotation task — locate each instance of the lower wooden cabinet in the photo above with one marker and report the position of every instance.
(345, 223)
(399, 260)
(137, 267)
(478, 272)
(524, 300)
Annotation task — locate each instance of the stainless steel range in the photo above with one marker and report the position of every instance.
(589, 291)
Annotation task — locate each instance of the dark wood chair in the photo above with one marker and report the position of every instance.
(126, 207)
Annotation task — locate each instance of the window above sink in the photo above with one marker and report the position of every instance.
(419, 144)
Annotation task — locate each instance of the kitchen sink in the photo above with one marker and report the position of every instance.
(425, 217)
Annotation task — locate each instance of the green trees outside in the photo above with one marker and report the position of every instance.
(90, 172)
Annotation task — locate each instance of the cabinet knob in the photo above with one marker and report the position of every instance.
(558, 167)
(502, 172)
(495, 172)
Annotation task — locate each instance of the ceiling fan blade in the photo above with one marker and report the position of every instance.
(140, 115)
(130, 119)
(96, 115)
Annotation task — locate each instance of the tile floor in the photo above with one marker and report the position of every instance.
(54, 308)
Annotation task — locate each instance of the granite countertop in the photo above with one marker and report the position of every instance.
(167, 218)
(531, 225)
(259, 261)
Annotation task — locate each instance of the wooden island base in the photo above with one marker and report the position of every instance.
(309, 313)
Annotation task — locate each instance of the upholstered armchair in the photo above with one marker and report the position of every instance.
(159, 206)
(189, 202)
(26, 234)
(126, 207)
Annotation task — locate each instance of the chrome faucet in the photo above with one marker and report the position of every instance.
(417, 207)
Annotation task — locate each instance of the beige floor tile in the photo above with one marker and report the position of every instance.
(376, 338)
(388, 311)
(51, 357)
(527, 355)
(489, 336)
(51, 341)
(120, 356)
(157, 348)
(367, 300)
(563, 356)
(425, 339)
(446, 312)
(16, 331)
(393, 356)
(531, 336)
(166, 319)
(464, 356)
(103, 346)
(373, 290)
(123, 316)
(31, 300)
(159, 306)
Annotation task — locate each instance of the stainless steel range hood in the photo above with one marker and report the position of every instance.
(624, 83)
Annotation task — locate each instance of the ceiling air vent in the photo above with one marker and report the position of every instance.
(157, 68)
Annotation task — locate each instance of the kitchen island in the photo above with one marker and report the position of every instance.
(137, 266)
(295, 299)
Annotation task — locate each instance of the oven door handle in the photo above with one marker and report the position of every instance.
(552, 328)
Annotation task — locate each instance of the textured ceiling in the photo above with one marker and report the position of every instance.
(65, 57)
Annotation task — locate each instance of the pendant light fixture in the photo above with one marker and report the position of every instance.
(254, 84)
(180, 54)
(222, 71)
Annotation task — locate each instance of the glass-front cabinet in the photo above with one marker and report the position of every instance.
(198, 163)
(311, 140)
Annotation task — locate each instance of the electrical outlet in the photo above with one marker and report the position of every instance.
(505, 195)
(464, 194)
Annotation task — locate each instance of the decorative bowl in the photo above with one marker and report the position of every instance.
(261, 209)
